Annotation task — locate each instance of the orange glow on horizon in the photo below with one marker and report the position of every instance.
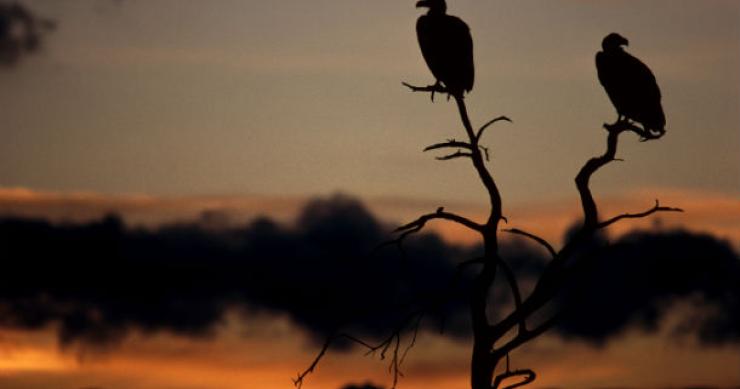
(264, 352)
(267, 359)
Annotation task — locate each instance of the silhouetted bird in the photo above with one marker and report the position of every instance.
(631, 85)
(446, 46)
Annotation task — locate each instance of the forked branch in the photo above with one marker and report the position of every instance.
(390, 344)
(524, 337)
(419, 223)
(451, 143)
(555, 272)
(456, 154)
(654, 209)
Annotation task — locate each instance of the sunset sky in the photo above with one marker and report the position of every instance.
(169, 111)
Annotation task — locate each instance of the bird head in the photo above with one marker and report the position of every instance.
(614, 41)
(433, 5)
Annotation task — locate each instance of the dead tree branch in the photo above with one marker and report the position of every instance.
(435, 88)
(298, 381)
(590, 212)
(457, 154)
(524, 337)
(534, 237)
(391, 343)
(419, 223)
(479, 134)
(654, 209)
(485, 153)
(451, 143)
(555, 272)
(486, 178)
(527, 374)
(515, 292)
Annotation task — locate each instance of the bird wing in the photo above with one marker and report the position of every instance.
(460, 34)
(631, 87)
(427, 35)
(447, 48)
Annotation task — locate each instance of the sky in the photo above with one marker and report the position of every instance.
(171, 110)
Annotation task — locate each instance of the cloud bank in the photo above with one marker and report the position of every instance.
(96, 282)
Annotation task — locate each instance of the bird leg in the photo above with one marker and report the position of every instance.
(436, 87)
(625, 124)
(621, 121)
(650, 134)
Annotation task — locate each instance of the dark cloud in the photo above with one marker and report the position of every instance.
(96, 282)
(100, 280)
(637, 280)
(21, 32)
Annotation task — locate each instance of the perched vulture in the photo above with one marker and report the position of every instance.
(446, 46)
(630, 85)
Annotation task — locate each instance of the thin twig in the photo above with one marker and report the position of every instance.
(528, 374)
(412, 343)
(298, 381)
(450, 143)
(514, 285)
(435, 88)
(479, 134)
(534, 237)
(439, 214)
(457, 154)
(654, 209)
(394, 339)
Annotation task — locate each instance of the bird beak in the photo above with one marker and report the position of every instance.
(626, 42)
(422, 3)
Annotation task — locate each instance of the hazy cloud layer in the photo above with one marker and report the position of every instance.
(100, 280)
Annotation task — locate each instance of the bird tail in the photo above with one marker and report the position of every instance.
(656, 125)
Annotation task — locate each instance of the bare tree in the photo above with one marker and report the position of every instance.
(494, 341)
